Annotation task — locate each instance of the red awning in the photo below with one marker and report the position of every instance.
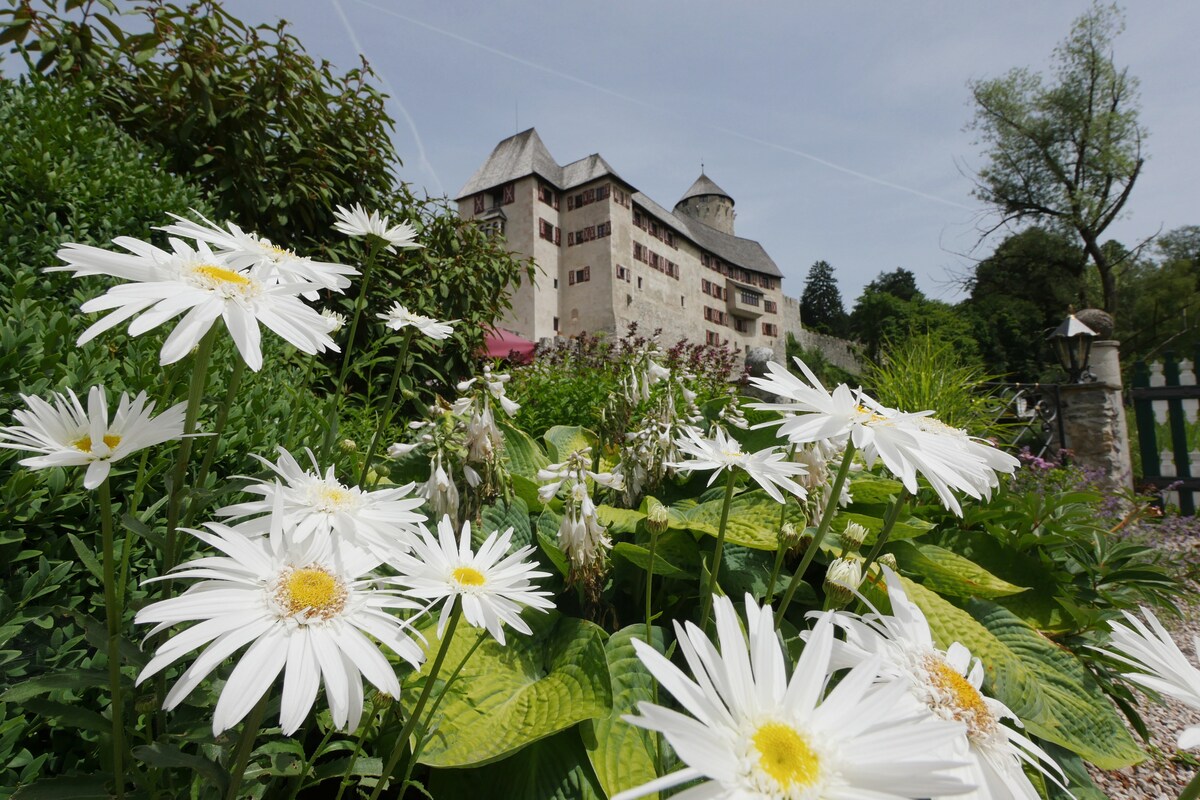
(500, 343)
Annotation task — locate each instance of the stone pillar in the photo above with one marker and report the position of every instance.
(1093, 416)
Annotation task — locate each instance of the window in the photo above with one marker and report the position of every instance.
(770, 329)
(623, 273)
(556, 324)
(508, 194)
(681, 303)
(712, 338)
(741, 325)
(579, 275)
(492, 227)
(480, 200)
(602, 192)
(547, 195)
(770, 306)
(639, 281)
(620, 196)
(749, 298)
(556, 283)
(548, 231)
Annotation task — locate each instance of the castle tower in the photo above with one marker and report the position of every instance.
(708, 204)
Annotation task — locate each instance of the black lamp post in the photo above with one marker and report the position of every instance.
(1073, 344)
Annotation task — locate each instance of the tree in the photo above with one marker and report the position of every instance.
(821, 306)
(900, 282)
(1065, 153)
(1020, 292)
(892, 310)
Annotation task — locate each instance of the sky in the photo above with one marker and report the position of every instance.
(838, 128)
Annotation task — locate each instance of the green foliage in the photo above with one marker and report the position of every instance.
(1018, 294)
(924, 373)
(1064, 153)
(892, 309)
(828, 373)
(821, 306)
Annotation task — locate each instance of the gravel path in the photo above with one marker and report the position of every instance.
(1164, 775)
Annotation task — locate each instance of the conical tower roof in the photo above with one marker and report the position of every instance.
(704, 186)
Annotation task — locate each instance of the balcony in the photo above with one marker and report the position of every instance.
(742, 301)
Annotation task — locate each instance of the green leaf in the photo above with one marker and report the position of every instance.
(44, 684)
(753, 519)
(562, 440)
(74, 787)
(161, 755)
(510, 695)
(525, 457)
(1078, 715)
(623, 755)
(746, 570)
(872, 490)
(70, 716)
(948, 573)
(500, 516)
(552, 769)
(640, 557)
(87, 557)
(619, 520)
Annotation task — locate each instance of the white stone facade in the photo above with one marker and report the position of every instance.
(607, 255)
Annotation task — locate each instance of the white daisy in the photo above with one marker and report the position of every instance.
(756, 733)
(337, 320)
(947, 683)
(164, 285)
(68, 436)
(768, 467)
(307, 503)
(355, 221)
(907, 444)
(244, 249)
(1161, 665)
(306, 610)
(400, 317)
(493, 587)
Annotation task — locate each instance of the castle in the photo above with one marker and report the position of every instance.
(607, 255)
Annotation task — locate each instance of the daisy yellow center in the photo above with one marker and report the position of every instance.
(311, 591)
(786, 756)
(279, 252)
(869, 413)
(221, 275)
(468, 576)
(959, 698)
(85, 443)
(327, 497)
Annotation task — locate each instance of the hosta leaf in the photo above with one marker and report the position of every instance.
(525, 457)
(562, 440)
(623, 755)
(745, 570)
(510, 695)
(1077, 715)
(500, 516)
(556, 768)
(619, 520)
(870, 490)
(948, 573)
(640, 557)
(753, 519)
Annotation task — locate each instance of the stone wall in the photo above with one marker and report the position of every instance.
(841, 353)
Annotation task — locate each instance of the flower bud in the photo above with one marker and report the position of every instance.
(658, 519)
(887, 560)
(348, 445)
(793, 539)
(853, 537)
(841, 580)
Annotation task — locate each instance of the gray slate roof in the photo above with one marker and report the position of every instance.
(524, 154)
(704, 186)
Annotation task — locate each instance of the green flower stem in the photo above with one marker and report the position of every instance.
(650, 584)
(437, 701)
(112, 613)
(195, 396)
(296, 782)
(358, 743)
(889, 522)
(781, 551)
(411, 724)
(231, 390)
(127, 544)
(831, 504)
(385, 419)
(331, 413)
(245, 746)
(1192, 790)
(718, 549)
